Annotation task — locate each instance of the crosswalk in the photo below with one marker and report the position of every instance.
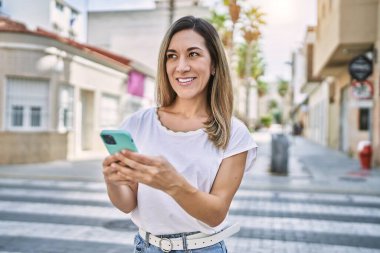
(74, 216)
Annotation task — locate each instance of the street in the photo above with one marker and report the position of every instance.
(46, 210)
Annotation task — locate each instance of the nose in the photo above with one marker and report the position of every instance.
(183, 65)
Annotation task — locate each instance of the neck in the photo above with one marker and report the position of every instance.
(190, 108)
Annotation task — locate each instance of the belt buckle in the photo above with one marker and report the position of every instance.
(170, 244)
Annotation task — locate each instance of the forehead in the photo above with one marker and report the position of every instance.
(187, 38)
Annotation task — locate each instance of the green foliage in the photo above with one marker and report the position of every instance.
(266, 120)
(275, 111)
(218, 20)
(283, 87)
(262, 87)
(253, 17)
(257, 64)
(277, 115)
(272, 104)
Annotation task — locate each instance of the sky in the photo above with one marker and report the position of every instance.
(284, 32)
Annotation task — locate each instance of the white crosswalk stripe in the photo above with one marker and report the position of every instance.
(45, 210)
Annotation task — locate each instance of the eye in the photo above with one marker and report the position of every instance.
(171, 56)
(193, 54)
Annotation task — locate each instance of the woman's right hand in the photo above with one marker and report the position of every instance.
(112, 176)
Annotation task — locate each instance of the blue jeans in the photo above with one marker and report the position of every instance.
(142, 247)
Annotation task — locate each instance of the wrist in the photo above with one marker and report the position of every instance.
(181, 189)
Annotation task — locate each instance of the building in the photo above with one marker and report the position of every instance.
(341, 111)
(57, 94)
(309, 108)
(142, 30)
(55, 16)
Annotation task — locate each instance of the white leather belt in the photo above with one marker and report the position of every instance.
(195, 241)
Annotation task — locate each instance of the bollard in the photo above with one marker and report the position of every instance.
(279, 157)
(365, 154)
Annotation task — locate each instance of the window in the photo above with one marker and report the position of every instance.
(66, 106)
(17, 115)
(57, 28)
(59, 6)
(109, 111)
(26, 104)
(364, 119)
(73, 17)
(35, 116)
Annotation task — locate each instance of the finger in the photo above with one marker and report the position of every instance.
(121, 158)
(126, 172)
(118, 177)
(109, 169)
(109, 159)
(128, 178)
(140, 158)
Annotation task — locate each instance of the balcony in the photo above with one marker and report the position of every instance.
(346, 28)
(311, 80)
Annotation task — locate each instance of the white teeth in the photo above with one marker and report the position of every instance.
(185, 80)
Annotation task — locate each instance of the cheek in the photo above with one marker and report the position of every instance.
(169, 70)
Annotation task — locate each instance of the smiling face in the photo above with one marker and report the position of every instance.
(188, 65)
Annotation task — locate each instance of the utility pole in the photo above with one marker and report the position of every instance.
(171, 11)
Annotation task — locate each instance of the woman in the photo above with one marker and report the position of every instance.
(192, 152)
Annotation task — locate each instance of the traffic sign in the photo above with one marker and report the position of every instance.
(362, 89)
(360, 68)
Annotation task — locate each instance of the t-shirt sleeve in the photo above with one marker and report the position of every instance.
(131, 123)
(241, 141)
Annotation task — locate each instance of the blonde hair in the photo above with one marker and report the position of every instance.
(219, 89)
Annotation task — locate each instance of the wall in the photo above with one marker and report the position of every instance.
(32, 147)
(31, 57)
(140, 30)
(319, 114)
(327, 35)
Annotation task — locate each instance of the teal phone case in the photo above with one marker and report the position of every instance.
(117, 140)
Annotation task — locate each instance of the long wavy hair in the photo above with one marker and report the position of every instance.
(219, 88)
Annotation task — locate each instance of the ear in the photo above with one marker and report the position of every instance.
(213, 71)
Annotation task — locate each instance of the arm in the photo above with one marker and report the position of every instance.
(121, 192)
(158, 173)
(215, 204)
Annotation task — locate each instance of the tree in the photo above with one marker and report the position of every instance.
(262, 87)
(244, 22)
(251, 20)
(275, 111)
(283, 87)
(219, 21)
(257, 67)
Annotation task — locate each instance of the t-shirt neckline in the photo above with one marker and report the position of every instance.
(171, 132)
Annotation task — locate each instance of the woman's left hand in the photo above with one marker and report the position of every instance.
(153, 171)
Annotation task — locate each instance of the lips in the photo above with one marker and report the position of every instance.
(185, 81)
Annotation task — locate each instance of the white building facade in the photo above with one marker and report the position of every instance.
(56, 95)
(137, 34)
(52, 15)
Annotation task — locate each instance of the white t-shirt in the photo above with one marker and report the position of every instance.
(194, 156)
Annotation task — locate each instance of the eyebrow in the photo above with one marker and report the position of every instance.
(189, 49)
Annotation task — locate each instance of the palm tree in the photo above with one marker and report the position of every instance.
(252, 21)
(219, 21)
(250, 64)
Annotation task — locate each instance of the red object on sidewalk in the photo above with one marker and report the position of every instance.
(365, 155)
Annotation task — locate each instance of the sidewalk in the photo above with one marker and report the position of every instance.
(313, 167)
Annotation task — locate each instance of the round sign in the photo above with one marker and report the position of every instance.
(360, 68)
(362, 89)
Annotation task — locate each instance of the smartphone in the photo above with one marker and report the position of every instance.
(117, 140)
